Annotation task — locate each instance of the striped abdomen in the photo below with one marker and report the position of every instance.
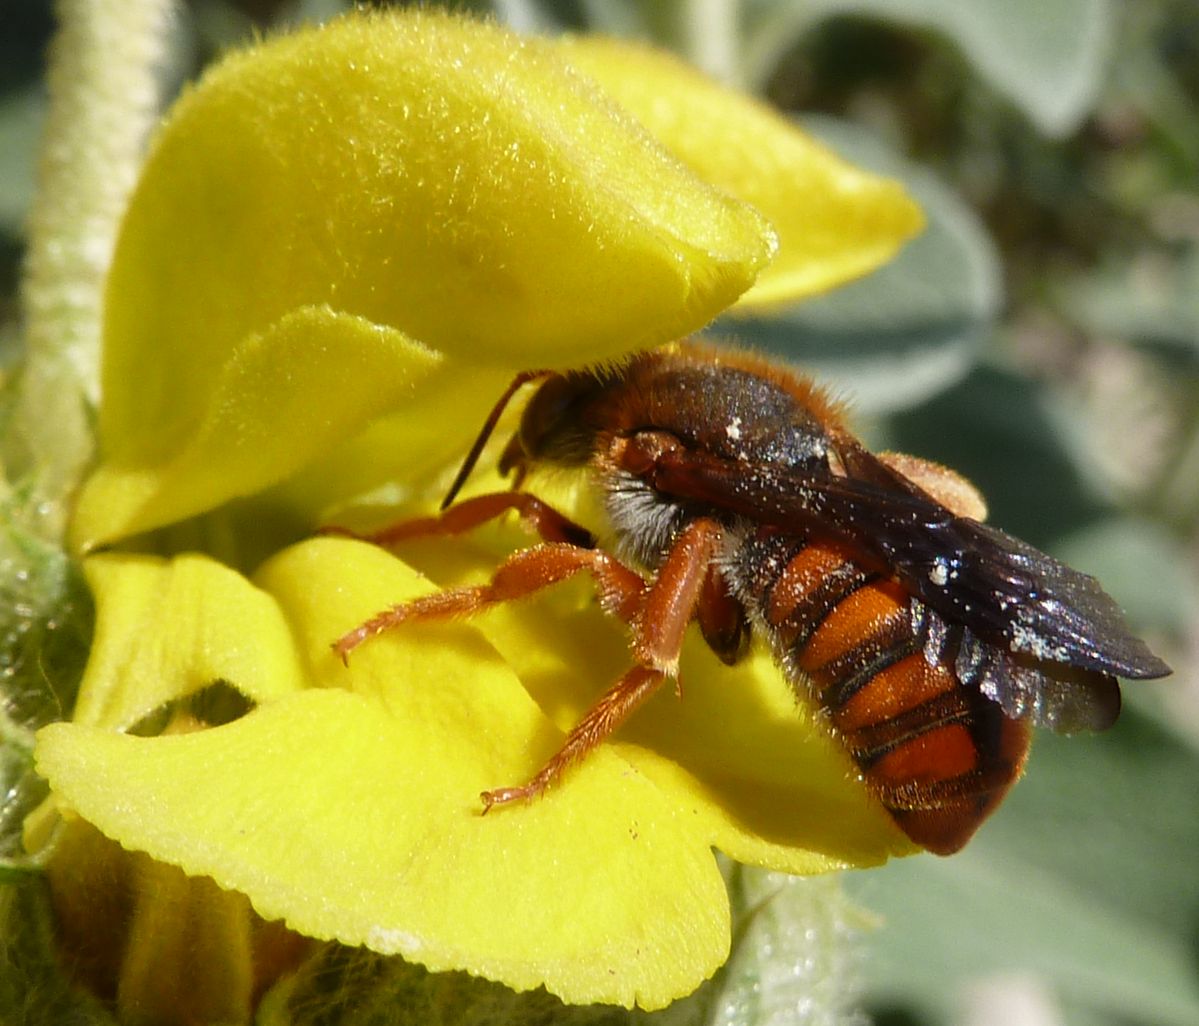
(938, 755)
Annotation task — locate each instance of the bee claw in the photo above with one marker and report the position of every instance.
(504, 795)
(343, 646)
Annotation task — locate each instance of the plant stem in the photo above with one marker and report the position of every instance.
(709, 34)
(104, 96)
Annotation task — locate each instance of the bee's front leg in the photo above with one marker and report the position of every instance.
(465, 516)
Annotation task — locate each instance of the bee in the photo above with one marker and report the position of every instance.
(737, 498)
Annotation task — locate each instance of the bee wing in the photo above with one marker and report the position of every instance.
(1006, 592)
(1062, 698)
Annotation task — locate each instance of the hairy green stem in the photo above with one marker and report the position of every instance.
(709, 34)
(103, 98)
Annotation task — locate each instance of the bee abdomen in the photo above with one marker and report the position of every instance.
(937, 754)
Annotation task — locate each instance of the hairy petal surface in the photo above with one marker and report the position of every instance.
(283, 397)
(344, 243)
(835, 222)
(439, 176)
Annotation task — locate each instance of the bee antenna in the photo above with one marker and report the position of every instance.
(472, 457)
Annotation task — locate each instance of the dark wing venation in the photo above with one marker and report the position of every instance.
(1062, 698)
(1006, 592)
(1060, 614)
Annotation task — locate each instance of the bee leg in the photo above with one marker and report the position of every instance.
(602, 720)
(521, 574)
(546, 522)
(722, 619)
(659, 623)
(674, 596)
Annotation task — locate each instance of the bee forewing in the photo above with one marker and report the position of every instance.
(1002, 589)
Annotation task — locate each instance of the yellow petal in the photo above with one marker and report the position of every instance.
(435, 174)
(355, 814)
(778, 789)
(167, 628)
(403, 452)
(282, 398)
(834, 221)
(760, 775)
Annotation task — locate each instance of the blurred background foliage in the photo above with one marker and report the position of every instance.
(1042, 337)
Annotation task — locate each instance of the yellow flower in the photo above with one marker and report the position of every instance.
(344, 244)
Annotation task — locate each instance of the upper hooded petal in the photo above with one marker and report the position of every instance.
(438, 175)
(835, 222)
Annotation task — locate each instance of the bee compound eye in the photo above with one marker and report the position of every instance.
(551, 427)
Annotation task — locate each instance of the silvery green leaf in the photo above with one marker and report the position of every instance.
(913, 327)
(1083, 883)
(796, 955)
(1049, 57)
(21, 117)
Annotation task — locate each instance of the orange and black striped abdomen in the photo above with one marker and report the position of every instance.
(939, 755)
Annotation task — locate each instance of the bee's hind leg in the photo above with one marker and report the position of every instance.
(659, 621)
